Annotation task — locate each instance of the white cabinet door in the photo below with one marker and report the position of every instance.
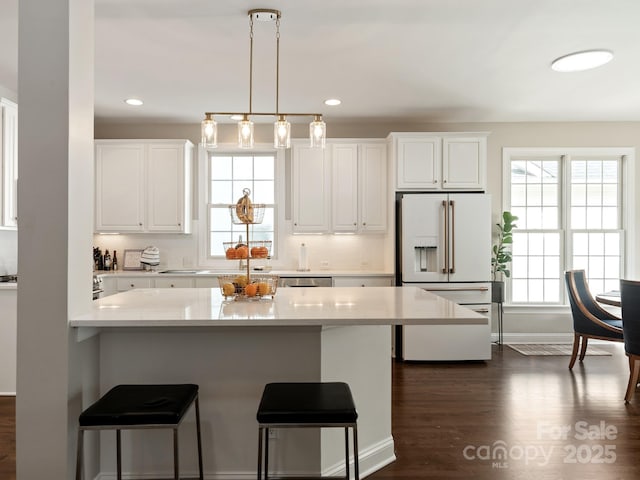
(311, 189)
(120, 195)
(464, 162)
(9, 163)
(166, 187)
(359, 188)
(143, 186)
(372, 186)
(345, 187)
(418, 162)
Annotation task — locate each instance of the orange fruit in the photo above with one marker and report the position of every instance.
(242, 252)
(231, 253)
(255, 252)
(263, 288)
(251, 290)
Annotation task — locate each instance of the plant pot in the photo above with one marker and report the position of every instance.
(497, 292)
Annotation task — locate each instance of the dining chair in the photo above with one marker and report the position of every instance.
(630, 300)
(590, 320)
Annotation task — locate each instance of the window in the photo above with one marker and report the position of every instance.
(571, 216)
(228, 175)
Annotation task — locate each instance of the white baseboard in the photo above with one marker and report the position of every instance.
(7, 394)
(534, 337)
(372, 459)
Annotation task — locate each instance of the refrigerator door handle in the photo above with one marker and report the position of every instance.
(445, 209)
(452, 203)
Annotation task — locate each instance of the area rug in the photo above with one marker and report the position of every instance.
(552, 349)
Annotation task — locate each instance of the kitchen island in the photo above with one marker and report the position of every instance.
(233, 348)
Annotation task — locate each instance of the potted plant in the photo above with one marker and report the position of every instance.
(501, 256)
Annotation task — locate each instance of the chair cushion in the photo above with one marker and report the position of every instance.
(140, 405)
(328, 402)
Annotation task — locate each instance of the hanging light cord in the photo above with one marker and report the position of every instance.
(277, 63)
(250, 63)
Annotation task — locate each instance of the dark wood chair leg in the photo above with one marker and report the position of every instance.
(634, 372)
(574, 353)
(583, 350)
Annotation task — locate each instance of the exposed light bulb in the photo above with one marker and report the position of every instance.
(317, 132)
(209, 132)
(282, 133)
(245, 133)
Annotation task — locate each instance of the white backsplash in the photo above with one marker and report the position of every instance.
(8, 252)
(325, 252)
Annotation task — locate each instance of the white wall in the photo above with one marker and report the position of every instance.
(8, 252)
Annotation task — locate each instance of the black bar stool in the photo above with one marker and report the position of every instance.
(304, 405)
(129, 407)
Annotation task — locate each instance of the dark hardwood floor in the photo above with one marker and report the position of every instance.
(450, 420)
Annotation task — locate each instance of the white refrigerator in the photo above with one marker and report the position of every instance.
(445, 248)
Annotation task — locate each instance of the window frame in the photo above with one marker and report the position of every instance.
(626, 155)
(203, 185)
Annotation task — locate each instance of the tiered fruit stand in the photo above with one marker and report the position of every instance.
(256, 286)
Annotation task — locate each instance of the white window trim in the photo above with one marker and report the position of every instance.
(628, 206)
(204, 261)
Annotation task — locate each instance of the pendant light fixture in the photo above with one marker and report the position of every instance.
(281, 126)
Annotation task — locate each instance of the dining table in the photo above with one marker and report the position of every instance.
(609, 298)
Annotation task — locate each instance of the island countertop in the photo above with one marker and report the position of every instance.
(322, 306)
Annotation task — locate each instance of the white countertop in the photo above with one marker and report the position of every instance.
(191, 307)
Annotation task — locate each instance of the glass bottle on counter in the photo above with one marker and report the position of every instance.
(114, 262)
(107, 260)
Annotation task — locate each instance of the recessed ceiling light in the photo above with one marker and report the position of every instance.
(579, 61)
(332, 102)
(136, 102)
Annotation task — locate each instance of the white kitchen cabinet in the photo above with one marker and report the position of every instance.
(363, 281)
(143, 186)
(174, 282)
(129, 283)
(359, 187)
(440, 161)
(9, 163)
(310, 174)
(207, 282)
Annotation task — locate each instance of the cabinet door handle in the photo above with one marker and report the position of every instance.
(458, 289)
(132, 285)
(140, 224)
(179, 224)
(435, 181)
(172, 285)
(445, 266)
(452, 204)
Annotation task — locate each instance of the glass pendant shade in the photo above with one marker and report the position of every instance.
(209, 132)
(245, 133)
(317, 132)
(282, 133)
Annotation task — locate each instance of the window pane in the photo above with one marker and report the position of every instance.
(520, 243)
(610, 171)
(534, 217)
(518, 195)
(534, 194)
(519, 290)
(594, 194)
(519, 267)
(518, 172)
(536, 291)
(610, 218)
(610, 194)
(243, 168)
(596, 244)
(536, 267)
(220, 168)
(536, 244)
(594, 172)
(578, 218)
(549, 218)
(612, 244)
(219, 220)
(594, 217)
(552, 267)
(221, 192)
(552, 290)
(551, 244)
(578, 171)
(579, 195)
(581, 243)
(263, 168)
(263, 191)
(550, 194)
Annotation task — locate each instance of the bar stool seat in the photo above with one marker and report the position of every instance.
(304, 405)
(127, 407)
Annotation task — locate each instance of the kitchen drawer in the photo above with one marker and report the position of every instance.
(462, 293)
(207, 282)
(174, 282)
(372, 281)
(124, 284)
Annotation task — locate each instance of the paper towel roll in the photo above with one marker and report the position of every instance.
(303, 261)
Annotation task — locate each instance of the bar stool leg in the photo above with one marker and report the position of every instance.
(176, 468)
(119, 454)
(266, 453)
(199, 438)
(260, 453)
(355, 452)
(80, 455)
(346, 451)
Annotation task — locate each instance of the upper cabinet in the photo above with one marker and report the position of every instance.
(310, 178)
(9, 163)
(440, 161)
(143, 186)
(359, 193)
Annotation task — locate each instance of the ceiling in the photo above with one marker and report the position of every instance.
(401, 60)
